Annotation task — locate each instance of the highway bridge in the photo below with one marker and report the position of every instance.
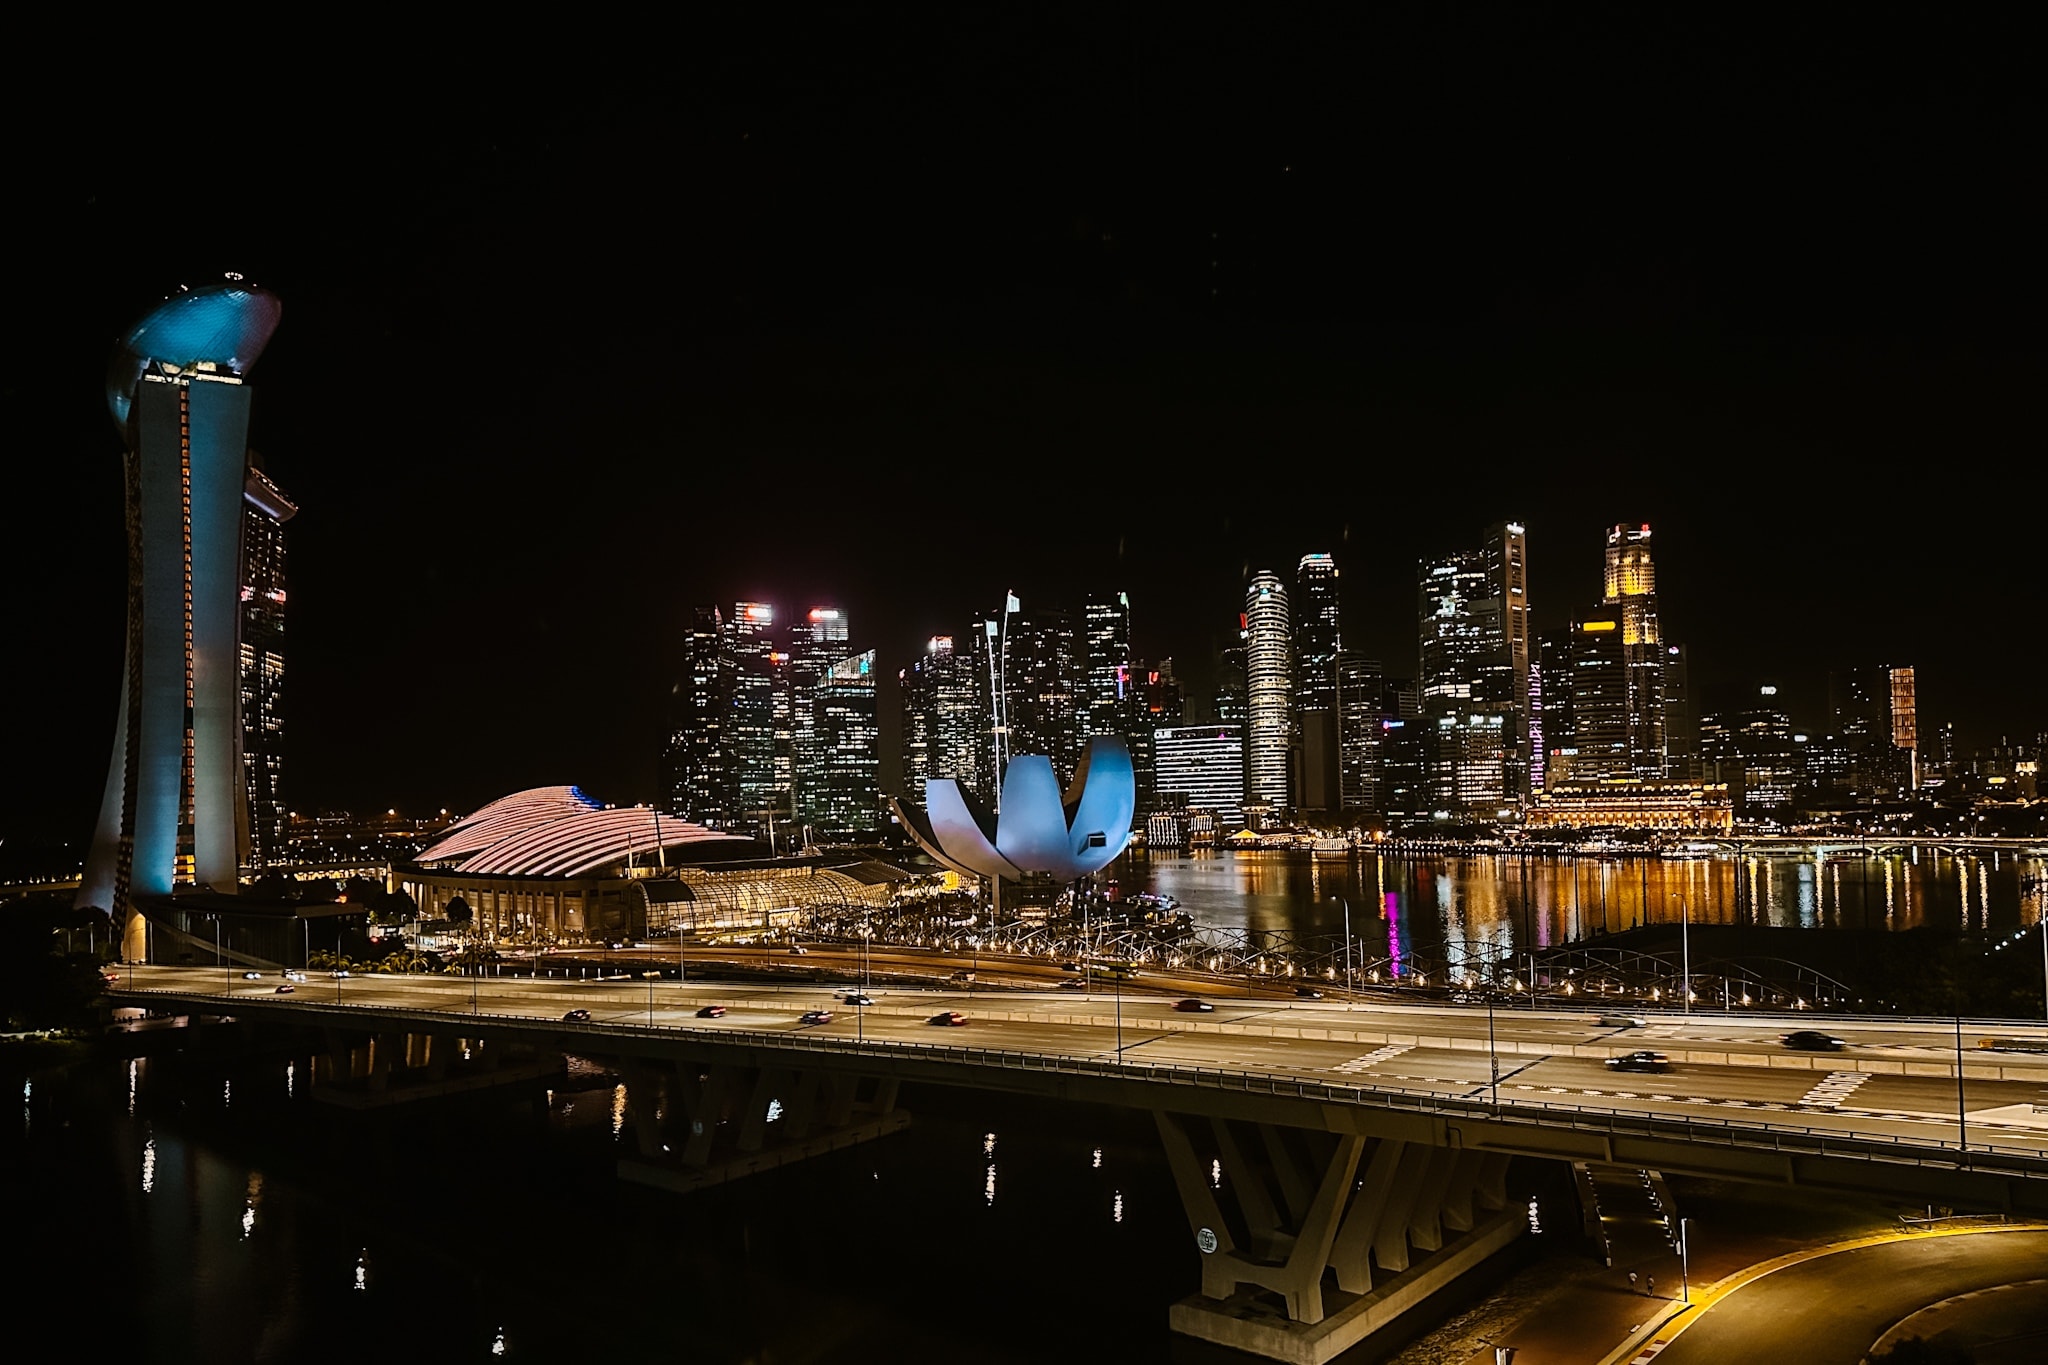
(1347, 1156)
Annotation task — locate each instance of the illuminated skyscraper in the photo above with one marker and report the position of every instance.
(1361, 704)
(176, 800)
(265, 510)
(758, 726)
(1201, 768)
(701, 781)
(1473, 614)
(1631, 592)
(817, 645)
(839, 795)
(1269, 669)
(944, 718)
(1318, 721)
(1044, 680)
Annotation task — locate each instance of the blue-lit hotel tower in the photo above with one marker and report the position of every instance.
(175, 804)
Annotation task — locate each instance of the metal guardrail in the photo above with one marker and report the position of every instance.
(1783, 1139)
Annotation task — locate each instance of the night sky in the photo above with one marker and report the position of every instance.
(901, 311)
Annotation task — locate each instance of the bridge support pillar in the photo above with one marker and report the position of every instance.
(1300, 1286)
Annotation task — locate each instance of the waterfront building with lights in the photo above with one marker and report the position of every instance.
(1200, 769)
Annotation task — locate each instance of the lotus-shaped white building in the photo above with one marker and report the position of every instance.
(1067, 835)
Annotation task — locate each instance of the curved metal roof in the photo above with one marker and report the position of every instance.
(561, 832)
(225, 325)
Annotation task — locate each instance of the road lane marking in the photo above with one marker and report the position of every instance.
(1831, 1089)
(1374, 1058)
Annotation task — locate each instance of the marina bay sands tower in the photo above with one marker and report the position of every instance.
(175, 805)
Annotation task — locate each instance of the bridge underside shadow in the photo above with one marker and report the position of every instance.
(696, 1125)
(1312, 1241)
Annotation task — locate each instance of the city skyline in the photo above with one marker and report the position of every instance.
(1783, 372)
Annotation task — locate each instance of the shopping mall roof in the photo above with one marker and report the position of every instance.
(562, 832)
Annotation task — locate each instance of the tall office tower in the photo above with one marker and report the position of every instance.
(1361, 693)
(1873, 713)
(1318, 722)
(1112, 698)
(1681, 719)
(1268, 685)
(1044, 680)
(1906, 722)
(1506, 550)
(1201, 768)
(1472, 609)
(1160, 706)
(700, 778)
(917, 693)
(175, 795)
(1631, 591)
(265, 510)
(839, 795)
(816, 645)
(1752, 750)
(758, 722)
(943, 725)
(1228, 704)
(1588, 726)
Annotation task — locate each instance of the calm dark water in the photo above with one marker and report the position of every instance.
(188, 1208)
(1516, 904)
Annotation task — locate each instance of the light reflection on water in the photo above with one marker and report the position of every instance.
(1454, 906)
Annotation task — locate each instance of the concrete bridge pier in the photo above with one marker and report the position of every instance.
(1292, 1228)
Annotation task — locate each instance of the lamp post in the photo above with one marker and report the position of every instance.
(1685, 951)
(649, 978)
(1118, 978)
(1492, 1054)
(1962, 1114)
(1685, 1261)
(1347, 943)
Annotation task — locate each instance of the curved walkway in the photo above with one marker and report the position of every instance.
(1830, 1305)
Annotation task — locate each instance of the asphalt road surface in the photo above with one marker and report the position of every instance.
(1892, 1079)
(1832, 1310)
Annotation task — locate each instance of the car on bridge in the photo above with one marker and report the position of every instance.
(292, 974)
(711, 1012)
(1308, 992)
(1620, 1021)
(857, 998)
(948, 1018)
(1194, 1006)
(797, 950)
(816, 1017)
(1812, 1040)
(286, 989)
(1639, 1061)
(576, 1017)
(252, 976)
(1073, 983)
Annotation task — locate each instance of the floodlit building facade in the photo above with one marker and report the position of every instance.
(1269, 687)
(176, 807)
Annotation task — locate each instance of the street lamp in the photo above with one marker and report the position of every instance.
(1492, 1054)
(1685, 1261)
(649, 978)
(1685, 951)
